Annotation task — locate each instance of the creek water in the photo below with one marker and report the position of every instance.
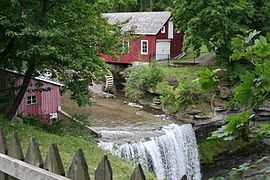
(166, 149)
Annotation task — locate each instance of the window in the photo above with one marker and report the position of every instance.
(144, 47)
(31, 100)
(125, 44)
(163, 30)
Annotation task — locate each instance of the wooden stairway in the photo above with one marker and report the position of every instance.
(109, 84)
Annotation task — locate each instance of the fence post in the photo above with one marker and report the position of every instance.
(15, 147)
(104, 170)
(33, 154)
(78, 169)
(3, 143)
(3, 150)
(53, 161)
(138, 174)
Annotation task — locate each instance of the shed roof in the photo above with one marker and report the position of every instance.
(38, 78)
(146, 23)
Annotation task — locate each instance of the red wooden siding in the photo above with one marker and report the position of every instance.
(134, 53)
(177, 44)
(164, 35)
(47, 101)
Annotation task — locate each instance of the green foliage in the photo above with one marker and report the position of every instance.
(253, 90)
(213, 23)
(168, 98)
(208, 80)
(237, 127)
(255, 85)
(136, 5)
(211, 148)
(34, 34)
(140, 78)
(174, 98)
(264, 130)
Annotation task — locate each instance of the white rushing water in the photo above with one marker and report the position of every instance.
(169, 156)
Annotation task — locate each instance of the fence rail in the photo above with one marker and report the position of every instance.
(13, 164)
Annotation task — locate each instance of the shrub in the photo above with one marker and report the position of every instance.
(185, 94)
(140, 78)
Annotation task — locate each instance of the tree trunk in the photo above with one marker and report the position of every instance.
(18, 99)
(7, 50)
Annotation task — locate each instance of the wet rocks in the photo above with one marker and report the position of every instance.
(154, 106)
(263, 112)
(203, 116)
(135, 105)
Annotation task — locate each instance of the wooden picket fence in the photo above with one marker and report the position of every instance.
(13, 164)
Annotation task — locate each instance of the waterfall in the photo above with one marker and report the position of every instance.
(169, 156)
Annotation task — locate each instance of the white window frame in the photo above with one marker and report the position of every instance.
(163, 30)
(142, 47)
(125, 44)
(32, 99)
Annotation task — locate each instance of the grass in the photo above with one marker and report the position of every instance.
(188, 73)
(68, 145)
(190, 54)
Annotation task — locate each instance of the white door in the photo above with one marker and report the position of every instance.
(163, 50)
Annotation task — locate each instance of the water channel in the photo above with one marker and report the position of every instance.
(167, 149)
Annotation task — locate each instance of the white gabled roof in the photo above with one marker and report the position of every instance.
(145, 23)
(49, 81)
(38, 78)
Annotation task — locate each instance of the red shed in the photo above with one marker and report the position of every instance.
(41, 100)
(158, 38)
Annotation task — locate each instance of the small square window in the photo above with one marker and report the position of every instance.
(31, 100)
(125, 44)
(144, 47)
(163, 30)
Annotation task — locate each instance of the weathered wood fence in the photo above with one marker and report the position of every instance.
(13, 164)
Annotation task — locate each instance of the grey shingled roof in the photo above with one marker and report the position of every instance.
(147, 23)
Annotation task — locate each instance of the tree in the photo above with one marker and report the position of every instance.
(254, 88)
(120, 5)
(136, 5)
(212, 23)
(261, 19)
(55, 35)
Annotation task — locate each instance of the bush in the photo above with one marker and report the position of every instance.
(174, 98)
(140, 78)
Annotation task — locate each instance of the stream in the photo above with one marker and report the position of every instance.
(167, 149)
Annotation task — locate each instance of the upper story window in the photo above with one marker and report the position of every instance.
(144, 47)
(31, 100)
(163, 30)
(125, 44)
